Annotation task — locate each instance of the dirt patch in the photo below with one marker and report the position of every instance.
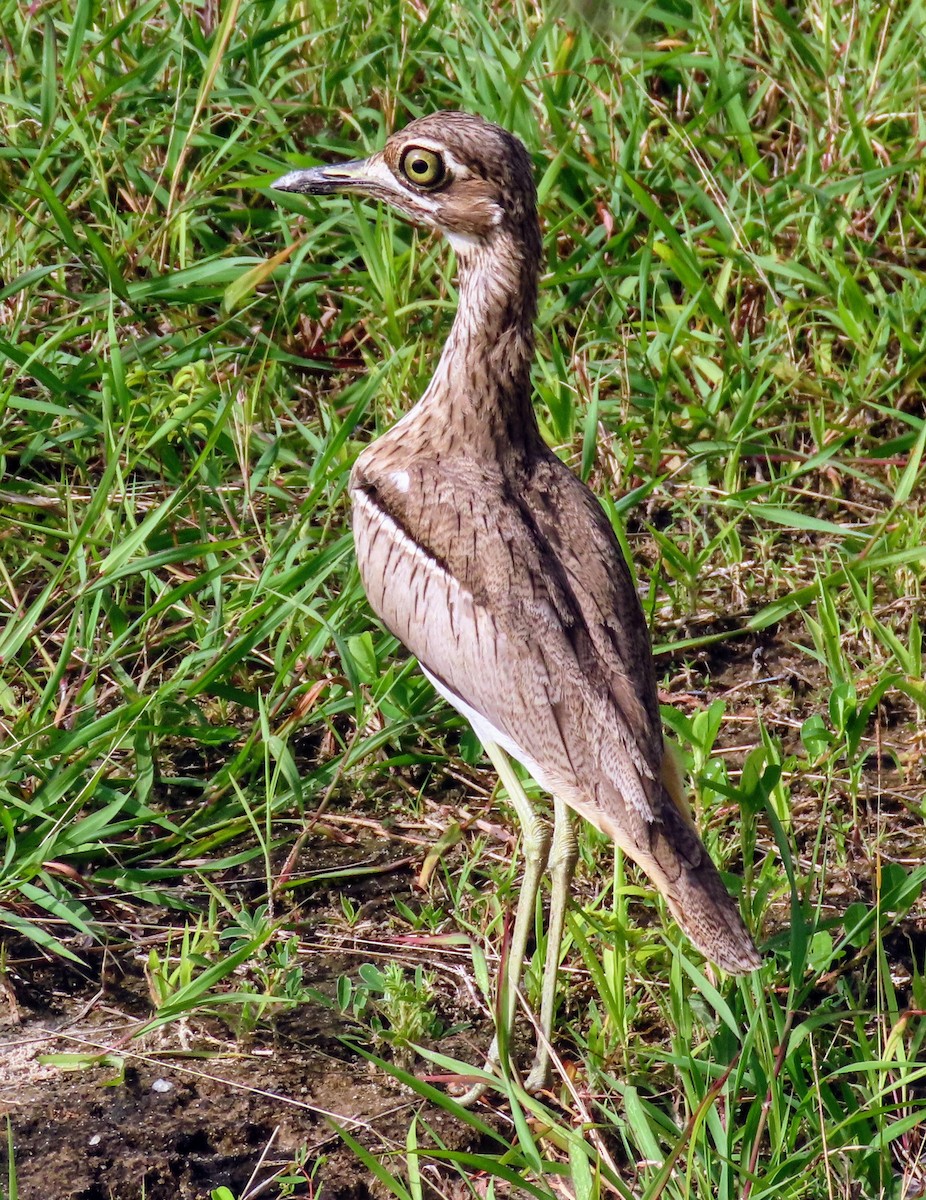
(176, 1127)
(181, 1128)
(188, 1108)
(180, 1113)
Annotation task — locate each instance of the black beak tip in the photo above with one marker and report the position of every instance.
(294, 181)
(324, 180)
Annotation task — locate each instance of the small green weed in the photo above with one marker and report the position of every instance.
(394, 1005)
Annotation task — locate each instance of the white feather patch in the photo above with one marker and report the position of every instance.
(487, 732)
(380, 519)
(463, 243)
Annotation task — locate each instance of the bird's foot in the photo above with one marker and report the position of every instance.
(538, 1080)
(478, 1090)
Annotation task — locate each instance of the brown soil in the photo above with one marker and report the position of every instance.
(182, 1127)
(188, 1108)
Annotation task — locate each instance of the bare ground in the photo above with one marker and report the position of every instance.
(187, 1108)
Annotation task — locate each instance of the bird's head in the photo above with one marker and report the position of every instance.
(451, 171)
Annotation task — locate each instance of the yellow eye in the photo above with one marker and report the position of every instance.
(423, 168)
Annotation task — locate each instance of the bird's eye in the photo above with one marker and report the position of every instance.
(423, 168)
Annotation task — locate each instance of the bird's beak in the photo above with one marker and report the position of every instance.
(361, 177)
(322, 181)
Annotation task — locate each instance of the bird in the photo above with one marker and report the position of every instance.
(498, 569)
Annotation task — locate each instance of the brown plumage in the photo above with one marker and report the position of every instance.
(490, 560)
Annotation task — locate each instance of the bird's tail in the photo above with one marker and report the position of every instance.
(684, 872)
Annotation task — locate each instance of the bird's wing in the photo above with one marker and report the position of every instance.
(518, 603)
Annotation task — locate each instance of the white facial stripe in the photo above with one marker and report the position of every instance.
(377, 169)
(401, 480)
(458, 169)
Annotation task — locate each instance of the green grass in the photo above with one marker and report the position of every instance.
(733, 338)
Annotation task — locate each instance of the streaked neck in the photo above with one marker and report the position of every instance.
(482, 385)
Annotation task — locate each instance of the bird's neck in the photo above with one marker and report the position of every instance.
(480, 394)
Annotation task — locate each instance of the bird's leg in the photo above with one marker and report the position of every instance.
(562, 864)
(535, 842)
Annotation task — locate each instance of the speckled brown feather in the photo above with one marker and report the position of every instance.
(498, 568)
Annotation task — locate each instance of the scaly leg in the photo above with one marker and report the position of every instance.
(535, 841)
(562, 862)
